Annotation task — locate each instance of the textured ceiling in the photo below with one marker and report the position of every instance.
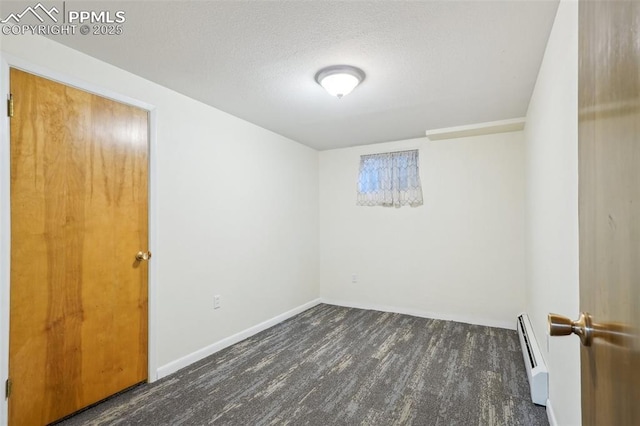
(429, 64)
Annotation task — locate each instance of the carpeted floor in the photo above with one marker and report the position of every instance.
(341, 366)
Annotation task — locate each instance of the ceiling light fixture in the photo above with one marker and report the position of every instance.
(339, 80)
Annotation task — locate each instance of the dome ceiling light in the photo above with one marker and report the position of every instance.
(339, 80)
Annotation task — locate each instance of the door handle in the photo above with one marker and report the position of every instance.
(562, 326)
(140, 256)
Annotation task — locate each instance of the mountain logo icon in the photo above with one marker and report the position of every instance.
(38, 11)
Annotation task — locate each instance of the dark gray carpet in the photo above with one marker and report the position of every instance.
(340, 366)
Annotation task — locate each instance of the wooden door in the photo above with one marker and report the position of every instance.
(609, 175)
(78, 320)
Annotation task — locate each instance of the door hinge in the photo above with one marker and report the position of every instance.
(10, 106)
(7, 388)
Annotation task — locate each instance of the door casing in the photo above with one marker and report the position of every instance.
(7, 62)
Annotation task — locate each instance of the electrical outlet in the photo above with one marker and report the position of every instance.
(354, 278)
(216, 301)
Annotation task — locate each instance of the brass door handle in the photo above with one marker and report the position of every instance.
(562, 326)
(140, 256)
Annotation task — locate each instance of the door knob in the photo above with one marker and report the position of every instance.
(562, 326)
(140, 256)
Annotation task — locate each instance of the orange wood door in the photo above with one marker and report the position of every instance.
(609, 171)
(78, 320)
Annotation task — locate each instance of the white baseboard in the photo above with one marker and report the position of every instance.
(187, 360)
(179, 363)
(511, 325)
(551, 415)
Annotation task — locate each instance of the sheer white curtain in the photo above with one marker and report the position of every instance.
(390, 179)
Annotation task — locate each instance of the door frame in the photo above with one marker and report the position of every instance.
(7, 62)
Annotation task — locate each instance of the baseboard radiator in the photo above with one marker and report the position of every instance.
(536, 368)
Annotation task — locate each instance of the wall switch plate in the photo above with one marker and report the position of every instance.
(354, 278)
(216, 301)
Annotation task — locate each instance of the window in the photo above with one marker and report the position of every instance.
(390, 179)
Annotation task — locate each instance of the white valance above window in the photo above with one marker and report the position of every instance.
(390, 179)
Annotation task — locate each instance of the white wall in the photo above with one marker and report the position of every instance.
(552, 209)
(459, 256)
(237, 209)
